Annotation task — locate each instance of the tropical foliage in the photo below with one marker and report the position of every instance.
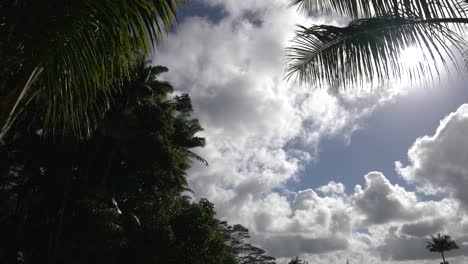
(369, 48)
(236, 240)
(441, 244)
(63, 54)
(117, 197)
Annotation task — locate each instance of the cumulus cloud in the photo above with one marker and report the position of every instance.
(439, 163)
(320, 215)
(401, 248)
(290, 246)
(310, 224)
(423, 228)
(261, 130)
(381, 202)
(332, 188)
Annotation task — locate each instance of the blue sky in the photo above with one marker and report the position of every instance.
(196, 8)
(384, 137)
(312, 173)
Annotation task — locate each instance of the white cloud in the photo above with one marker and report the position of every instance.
(423, 228)
(401, 248)
(381, 202)
(439, 163)
(332, 188)
(261, 130)
(253, 119)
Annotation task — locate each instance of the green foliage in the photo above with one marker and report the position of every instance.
(115, 198)
(73, 51)
(119, 196)
(244, 252)
(369, 48)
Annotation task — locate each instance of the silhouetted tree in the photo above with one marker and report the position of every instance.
(441, 244)
(244, 252)
(115, 198)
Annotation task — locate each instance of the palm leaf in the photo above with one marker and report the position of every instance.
(368, 50)
(368, 8)
(441, 243)
(86, 48)
(353, 8)
(11, 115)
(197, 157)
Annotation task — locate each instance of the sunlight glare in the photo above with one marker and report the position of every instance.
(412, 56)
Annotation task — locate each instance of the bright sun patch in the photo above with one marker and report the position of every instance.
(412, 56)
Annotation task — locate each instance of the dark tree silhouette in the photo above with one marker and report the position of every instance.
(243, 252)
(115, 198)
(441, 244)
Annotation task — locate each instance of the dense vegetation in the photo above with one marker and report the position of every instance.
(94, 149)
(118, 197)
(65, 53)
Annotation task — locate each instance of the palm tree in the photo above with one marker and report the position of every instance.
(77, 193)
(368, 49)
(441, 244)
(64, 53)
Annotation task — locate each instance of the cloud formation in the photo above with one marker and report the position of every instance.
(439, 163)
(381, 202)
(261, 130)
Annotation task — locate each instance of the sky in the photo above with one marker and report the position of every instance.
(364, 175)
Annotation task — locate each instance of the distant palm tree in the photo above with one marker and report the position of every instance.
(441, 244)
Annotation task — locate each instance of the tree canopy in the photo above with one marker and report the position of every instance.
(65, 53)
(118, 197)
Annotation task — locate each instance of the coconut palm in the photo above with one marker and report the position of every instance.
(64, 53)
(441, 244)
(77, 195)
(368, 49)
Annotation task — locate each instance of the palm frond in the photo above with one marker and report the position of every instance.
(368, 50)
(197, 157)
(367, 8)
(429, 245)
(352, 8)
(12, 114)
(86, 48)
(441, 243)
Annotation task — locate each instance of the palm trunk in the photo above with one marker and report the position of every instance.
(443, 258)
